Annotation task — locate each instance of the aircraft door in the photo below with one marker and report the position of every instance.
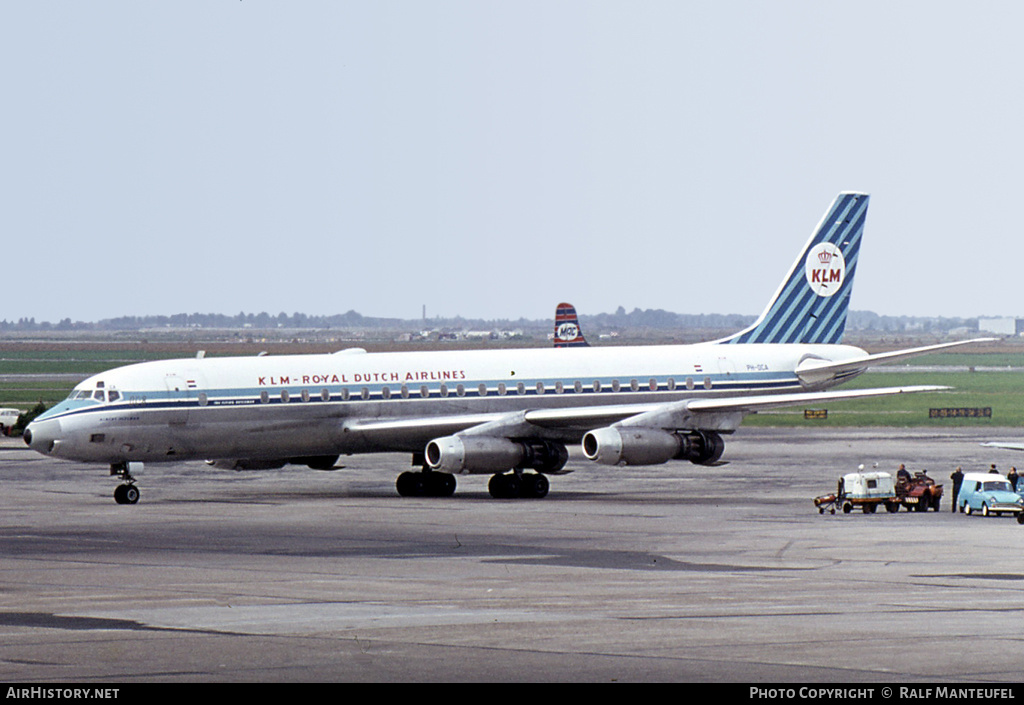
(181, 393)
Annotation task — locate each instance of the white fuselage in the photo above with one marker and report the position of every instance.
(306, 405)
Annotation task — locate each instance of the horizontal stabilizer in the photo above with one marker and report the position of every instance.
(815, 371)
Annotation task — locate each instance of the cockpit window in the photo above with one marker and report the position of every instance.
(99, 395)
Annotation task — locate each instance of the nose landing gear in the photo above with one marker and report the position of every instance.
(127, 492)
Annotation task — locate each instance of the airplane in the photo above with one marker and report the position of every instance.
(498, 412)
(568, 333)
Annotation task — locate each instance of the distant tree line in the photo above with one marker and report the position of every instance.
(620, 319)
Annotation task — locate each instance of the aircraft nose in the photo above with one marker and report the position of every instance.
(43, 436)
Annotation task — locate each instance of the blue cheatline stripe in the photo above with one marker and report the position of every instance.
(222, 398)
(789, 318)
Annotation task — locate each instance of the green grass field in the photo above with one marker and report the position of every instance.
(1003, 392)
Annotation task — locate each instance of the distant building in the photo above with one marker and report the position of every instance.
(1001, 326)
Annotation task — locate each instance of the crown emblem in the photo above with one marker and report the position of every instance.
(825, 257)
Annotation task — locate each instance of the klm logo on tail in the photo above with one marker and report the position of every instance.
(811, 304)
(825, 269)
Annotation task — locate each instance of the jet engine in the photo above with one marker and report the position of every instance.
(484, 454)
(624, 445)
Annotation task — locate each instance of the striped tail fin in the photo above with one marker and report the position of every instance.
(811, 304)
(568, 333)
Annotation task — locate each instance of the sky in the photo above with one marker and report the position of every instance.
(490, 159)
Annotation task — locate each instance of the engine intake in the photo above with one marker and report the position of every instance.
(623, 445)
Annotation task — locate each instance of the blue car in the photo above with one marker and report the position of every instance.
(988, 493)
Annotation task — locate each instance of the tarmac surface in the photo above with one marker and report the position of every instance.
(665, 573)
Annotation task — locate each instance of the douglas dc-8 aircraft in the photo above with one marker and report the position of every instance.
(483, 411)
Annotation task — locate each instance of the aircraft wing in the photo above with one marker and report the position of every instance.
(812, 371)
(722, 414)
(726, 413)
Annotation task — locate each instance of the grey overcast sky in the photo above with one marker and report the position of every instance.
(492, 158)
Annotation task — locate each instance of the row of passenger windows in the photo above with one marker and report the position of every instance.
(482, 390)
(405, 393)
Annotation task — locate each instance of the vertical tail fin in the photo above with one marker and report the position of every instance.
(568, 333)
(811, 304)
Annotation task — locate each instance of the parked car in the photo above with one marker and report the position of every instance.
(8, 419)
(989, 494)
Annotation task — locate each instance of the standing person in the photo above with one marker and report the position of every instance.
(958, 479)
(1012, 476)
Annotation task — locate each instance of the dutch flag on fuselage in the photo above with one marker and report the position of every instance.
(811, 304)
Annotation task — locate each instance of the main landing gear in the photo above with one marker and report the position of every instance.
(519, 485)
(127, 492)
(516, 484)
(426, 483)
